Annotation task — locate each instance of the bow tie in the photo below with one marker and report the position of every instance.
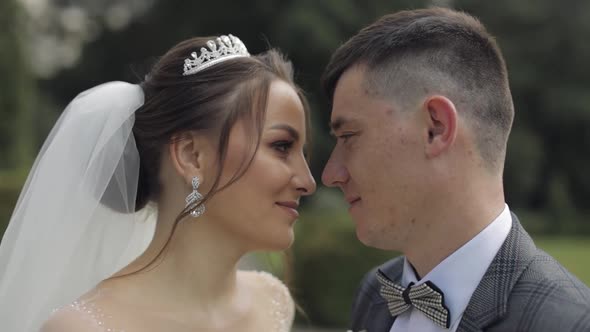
(426, 297)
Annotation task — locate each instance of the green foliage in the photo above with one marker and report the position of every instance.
(10, 185)
(572, 252)
(329, 261)
(16, 129)
(545, 46)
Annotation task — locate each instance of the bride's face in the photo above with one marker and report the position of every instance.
(260, 208)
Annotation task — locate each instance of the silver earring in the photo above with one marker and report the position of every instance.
(194, 199)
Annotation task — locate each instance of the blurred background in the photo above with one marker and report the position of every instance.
(50, 50)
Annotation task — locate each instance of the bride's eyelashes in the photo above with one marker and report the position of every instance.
(282, 146)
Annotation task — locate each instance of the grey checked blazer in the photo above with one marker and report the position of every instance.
(524, 289)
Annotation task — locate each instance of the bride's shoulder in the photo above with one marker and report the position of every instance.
(72, 318)
(87, 313)
(279, 301)
(266, 282)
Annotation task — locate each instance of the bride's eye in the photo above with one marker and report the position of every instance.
(282, 146)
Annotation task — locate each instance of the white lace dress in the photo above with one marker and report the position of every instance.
(275, 302)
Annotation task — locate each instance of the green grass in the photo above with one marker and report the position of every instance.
(571, 252)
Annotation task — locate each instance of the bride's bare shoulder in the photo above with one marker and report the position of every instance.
(72, 318)
(279, 297)
(85, 314)
(267, 283)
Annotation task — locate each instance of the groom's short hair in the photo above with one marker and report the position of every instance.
(412, 53)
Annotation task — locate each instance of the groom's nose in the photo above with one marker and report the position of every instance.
(334, 174)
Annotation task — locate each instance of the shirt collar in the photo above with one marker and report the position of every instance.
(459, 274)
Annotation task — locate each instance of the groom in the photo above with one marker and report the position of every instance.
(422, 111)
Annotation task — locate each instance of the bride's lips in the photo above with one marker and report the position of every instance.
(290, 207)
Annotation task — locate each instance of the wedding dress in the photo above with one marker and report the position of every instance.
(273, 303)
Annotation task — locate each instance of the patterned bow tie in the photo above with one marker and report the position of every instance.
(426, 297)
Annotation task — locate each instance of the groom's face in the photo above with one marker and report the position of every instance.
(376, 162)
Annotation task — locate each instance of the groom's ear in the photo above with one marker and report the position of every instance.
(441, 125)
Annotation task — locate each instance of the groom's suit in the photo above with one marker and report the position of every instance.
(524, 289)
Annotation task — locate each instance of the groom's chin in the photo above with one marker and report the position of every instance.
(363, 232)
(372, 237)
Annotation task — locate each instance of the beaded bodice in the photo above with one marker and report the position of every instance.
(274, 301)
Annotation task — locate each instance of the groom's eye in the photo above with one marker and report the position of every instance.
(345, 136)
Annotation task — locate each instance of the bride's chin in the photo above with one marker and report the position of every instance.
(280, 243)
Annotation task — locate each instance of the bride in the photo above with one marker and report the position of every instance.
(144, 197)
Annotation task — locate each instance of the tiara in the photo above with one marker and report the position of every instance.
(221, 49)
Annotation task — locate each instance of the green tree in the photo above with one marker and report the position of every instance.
(16, 87)
(546, 48)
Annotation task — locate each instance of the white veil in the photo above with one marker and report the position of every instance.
(74, 223)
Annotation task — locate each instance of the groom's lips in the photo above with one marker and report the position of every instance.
(352, 200)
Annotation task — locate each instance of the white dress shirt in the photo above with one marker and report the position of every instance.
(457, 276)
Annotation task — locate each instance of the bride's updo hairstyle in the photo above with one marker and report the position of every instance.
(210, 101)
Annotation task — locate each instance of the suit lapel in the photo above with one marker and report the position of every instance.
(489, 302)
(379, 318)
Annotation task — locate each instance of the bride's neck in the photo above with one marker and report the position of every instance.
(196, 268)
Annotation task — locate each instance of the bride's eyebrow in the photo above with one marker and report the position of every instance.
(292, 131)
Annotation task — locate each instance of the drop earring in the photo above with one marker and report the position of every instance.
(194, 199)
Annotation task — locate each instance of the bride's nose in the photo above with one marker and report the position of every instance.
(304, 181)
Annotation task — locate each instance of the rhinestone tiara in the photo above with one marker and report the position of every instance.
(218, 50)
